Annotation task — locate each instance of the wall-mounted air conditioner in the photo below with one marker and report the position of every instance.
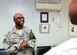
(48, 6)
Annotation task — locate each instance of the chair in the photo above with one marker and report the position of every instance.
(3, 52)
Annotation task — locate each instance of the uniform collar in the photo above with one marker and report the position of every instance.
(14, 29)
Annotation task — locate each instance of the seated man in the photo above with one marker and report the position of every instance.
(69, 47)
(20, 40)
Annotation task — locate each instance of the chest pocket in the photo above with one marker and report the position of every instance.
(14, 39)
(25, 36)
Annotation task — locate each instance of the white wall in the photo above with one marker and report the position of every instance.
(58, 33)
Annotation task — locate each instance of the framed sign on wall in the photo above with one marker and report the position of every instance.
(44, 17)
(44, 28)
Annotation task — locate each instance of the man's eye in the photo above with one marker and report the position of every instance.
(20, 17)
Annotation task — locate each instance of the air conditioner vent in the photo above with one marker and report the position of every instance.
(49, 1)
(48, 5)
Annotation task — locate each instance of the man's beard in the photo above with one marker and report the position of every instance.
(20, 24)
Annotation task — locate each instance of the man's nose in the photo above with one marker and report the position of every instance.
(22, 19)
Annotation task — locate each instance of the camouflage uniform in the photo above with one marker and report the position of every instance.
(12, 41)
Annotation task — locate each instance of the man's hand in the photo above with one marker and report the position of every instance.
(23, 44)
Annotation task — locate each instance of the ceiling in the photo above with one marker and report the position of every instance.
(48, 1)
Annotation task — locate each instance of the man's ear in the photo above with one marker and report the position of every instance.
(13, 19)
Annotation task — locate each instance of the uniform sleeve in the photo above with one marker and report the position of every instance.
(32, 40)
(6, 42)
(8, 45)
